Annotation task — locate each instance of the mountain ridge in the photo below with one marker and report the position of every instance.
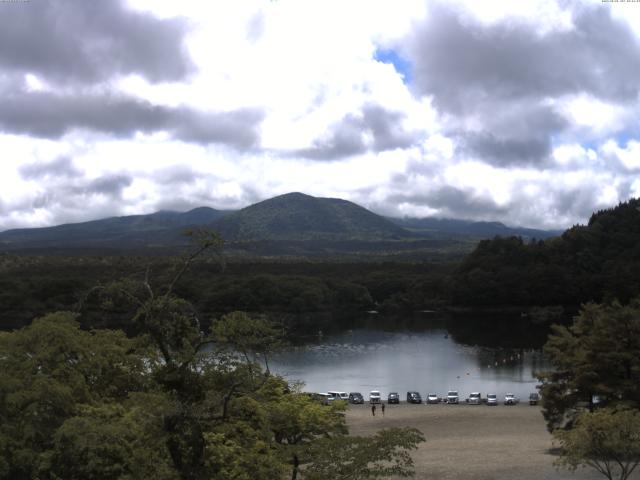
(310, 223)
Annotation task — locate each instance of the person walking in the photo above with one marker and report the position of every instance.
(373, 410)
(382, 406)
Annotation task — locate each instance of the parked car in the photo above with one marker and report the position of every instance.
(339, 395)
(433, 398)
(452, 396)
(510, 399)
(356, 398)
(492, 399)
(474, 398)
(534, 398)
(324, 398)
(393, 398)
(374, 396)
(414, 397)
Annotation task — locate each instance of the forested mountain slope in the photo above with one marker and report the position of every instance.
(594, 262)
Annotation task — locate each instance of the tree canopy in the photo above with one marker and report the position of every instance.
(594, 262)
(606, 440)
(591, 396)
(596, 358)
(170, 402)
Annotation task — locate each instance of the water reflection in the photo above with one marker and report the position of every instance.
(431, 360)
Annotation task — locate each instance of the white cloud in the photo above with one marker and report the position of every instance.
(628, 157)
(598, 117)
(308, 66)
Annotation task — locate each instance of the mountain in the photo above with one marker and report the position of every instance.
(294, 225)
(467, 227)
(115, 232)
(296, 216)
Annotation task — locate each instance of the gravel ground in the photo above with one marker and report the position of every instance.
(472, 441)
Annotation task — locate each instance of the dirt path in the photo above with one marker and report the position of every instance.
(472, 441)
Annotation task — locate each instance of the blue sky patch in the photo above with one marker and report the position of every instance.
(401, 65)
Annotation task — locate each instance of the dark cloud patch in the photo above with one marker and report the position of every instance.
(518, 134)
(48, 115)
(42, 200)
(496, 85)
(60, 167)
(374, 128)
(174, 175)
(238, 128)
(111, 185)
(342, 140)
(386, 128)
(453, 202)
(82, 41)
(578, 202)
(506, 151)
(456, 59)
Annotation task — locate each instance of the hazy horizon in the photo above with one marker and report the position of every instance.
(233, 210)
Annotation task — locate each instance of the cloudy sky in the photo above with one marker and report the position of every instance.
(525, 112)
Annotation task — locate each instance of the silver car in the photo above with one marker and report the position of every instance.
(433, 398)
(474, 399)
(492, 399)
(452, 396)
(510, 399)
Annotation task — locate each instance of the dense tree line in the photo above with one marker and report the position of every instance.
(296, 291)
(595, 262)
(170, 401)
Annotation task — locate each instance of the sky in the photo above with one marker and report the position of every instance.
(523, 112)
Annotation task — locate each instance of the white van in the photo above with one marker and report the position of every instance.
(339, 395)
(374, 396)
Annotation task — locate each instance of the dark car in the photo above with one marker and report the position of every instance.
(356, 398)
(414, 397)
(393, 398)
(534, 398)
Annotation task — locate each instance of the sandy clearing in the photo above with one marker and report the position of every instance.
(472, 441)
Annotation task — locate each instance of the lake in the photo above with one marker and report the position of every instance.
(428, 361)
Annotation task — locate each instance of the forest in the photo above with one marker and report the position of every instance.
(169, 401)
(595, 262)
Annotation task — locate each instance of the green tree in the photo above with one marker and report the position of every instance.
(606, 440)
(596, 357)
(48, 370)
(383, 455)
(111, 441)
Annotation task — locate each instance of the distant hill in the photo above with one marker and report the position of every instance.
(133, 231)
(296, 216)
(468, 227)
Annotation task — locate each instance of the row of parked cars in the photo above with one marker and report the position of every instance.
(452, 397)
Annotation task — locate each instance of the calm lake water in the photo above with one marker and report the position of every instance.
(399, 361)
